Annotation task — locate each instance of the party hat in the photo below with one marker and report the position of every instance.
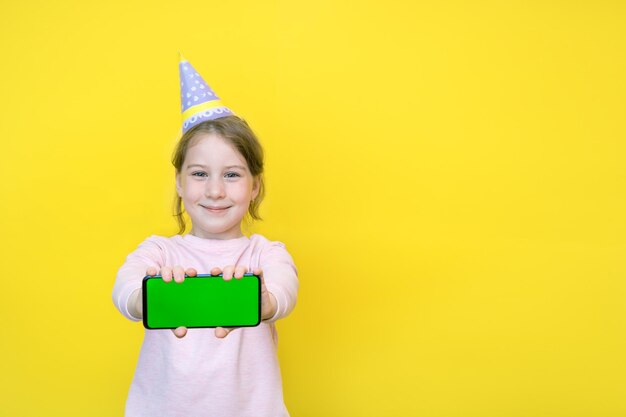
(199, 102)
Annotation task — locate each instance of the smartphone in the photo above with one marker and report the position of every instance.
(201, 301)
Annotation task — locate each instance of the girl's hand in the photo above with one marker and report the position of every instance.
(268, 302)
(178, 274)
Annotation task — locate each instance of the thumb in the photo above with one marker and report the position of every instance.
(180, 332)
(222, 332)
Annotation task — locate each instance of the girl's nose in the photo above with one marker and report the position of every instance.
(215, 188)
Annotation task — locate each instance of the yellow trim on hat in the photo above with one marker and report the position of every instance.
(201, 107)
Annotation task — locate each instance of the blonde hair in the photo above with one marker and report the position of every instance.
(239, 134)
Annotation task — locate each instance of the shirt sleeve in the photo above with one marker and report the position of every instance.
(281, 278)
(130, 275)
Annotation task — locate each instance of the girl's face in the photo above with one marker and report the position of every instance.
(216, 187)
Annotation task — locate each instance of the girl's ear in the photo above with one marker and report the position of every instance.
(179, 188)
(256, 186)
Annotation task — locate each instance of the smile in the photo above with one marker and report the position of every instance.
(215, 209)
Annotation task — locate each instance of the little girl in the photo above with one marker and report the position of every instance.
(219, 178)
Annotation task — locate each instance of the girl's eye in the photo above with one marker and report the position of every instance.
(231, 175)
(198, 174)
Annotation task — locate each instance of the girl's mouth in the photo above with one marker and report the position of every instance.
(215, 209)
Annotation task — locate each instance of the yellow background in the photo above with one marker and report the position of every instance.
(449, 177)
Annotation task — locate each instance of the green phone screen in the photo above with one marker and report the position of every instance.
(202, 301)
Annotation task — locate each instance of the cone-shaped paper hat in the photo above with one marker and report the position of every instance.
(199, 102)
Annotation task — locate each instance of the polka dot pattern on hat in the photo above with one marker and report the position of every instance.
(193, 89)
(198, 101)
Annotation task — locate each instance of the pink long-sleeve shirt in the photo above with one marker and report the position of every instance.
(201, 375)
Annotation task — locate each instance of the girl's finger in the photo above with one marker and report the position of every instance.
(259, 273)
(151, 271)
(222, 332)
(179, 274)
(180, 332)
(216, 271)
(166, 273)
(191, 272)
(239, 271)
(227, 274)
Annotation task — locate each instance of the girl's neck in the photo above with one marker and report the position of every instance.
(234, 234)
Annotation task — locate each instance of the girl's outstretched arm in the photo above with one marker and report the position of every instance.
(280, 284)
(147, 259)
(281, 278)
(130, 275)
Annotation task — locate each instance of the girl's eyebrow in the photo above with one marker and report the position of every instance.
(204, 166)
